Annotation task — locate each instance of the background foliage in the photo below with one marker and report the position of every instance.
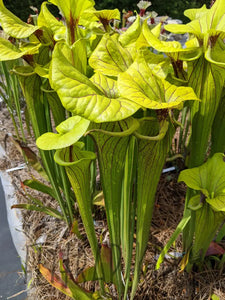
(173, 8)
(21, 8)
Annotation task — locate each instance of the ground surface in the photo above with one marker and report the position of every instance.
(47, 236)
(11, 279)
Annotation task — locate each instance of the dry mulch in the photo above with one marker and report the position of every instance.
(47, 236)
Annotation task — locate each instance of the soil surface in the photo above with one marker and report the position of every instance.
(47, 236)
